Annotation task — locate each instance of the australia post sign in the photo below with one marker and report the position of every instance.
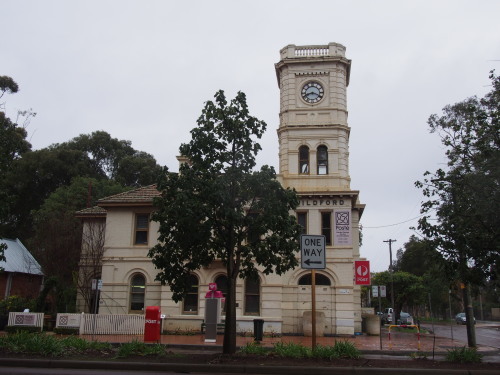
(362, 272)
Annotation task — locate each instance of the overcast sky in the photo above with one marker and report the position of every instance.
(142, 70)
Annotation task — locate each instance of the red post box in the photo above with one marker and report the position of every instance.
(152, 324)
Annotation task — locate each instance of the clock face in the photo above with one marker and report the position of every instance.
(312, 92)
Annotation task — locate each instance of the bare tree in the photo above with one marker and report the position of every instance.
(90, 265)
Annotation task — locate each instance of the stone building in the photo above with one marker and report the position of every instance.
(314, 159)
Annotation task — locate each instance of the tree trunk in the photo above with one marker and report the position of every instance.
(469, 316)
(229, 346)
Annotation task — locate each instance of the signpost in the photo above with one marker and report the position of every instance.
(383, 291)
(313, 257)
(375, 293)
(312, 251)
(96, 286)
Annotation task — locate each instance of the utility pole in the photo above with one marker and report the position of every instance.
(394, 313)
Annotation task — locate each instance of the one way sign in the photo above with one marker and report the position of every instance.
(312, 251)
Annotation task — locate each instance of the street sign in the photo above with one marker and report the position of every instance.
(312, 252)
(374, 291)
(362, 272)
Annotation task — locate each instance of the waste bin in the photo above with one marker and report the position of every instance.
(258, 329)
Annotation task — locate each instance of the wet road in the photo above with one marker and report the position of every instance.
(487, 333)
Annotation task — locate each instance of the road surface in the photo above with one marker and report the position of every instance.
(487, 333)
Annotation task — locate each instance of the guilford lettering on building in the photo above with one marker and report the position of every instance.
(321, 202)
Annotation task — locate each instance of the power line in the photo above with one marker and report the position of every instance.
(392, 225)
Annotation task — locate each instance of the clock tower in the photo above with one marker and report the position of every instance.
(314, 160)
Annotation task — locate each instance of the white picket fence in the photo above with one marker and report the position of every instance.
(117, 324)
(98, 324)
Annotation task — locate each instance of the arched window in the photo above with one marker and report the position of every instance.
(252, 297)
(304, 160)
(191, 298)
(137, 292)
(322, 157)
(319, 280)
(222, 285)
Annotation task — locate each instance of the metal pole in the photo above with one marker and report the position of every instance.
(451, 316)
(432, 319)
(313, 300)
(392, 281)
(95, 312)
(379, 300)
(481, 303)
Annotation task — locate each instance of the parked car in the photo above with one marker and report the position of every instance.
(405, 319)
(387, 315)
(461, 318)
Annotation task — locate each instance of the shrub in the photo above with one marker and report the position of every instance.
(341, 349)
(66, 331)
(24, 342)
(16, 304)
(17, 329)
(139, 348)
(47, 345)
(463, 355)
(291, 350)
(253, 348)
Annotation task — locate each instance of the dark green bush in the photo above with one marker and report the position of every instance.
(67, 331)
(464, 355)
(15, 304)
(253, 348)
(48, 345)
(17, 329)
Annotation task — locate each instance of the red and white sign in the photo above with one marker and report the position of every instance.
(362, 272)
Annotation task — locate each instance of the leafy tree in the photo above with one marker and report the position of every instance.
(115, 158)
(420, 258)
(58, 235)
(138, 169)
(409, 290)
(7, 85)
(12, 145)
(103, 150)
(34, 177)
(464, 198)
(218, 208)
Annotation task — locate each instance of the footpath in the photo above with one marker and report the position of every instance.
(396, 346)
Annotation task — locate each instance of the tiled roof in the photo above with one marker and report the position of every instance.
(143, 195)
(19, 259)
(95, 211)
